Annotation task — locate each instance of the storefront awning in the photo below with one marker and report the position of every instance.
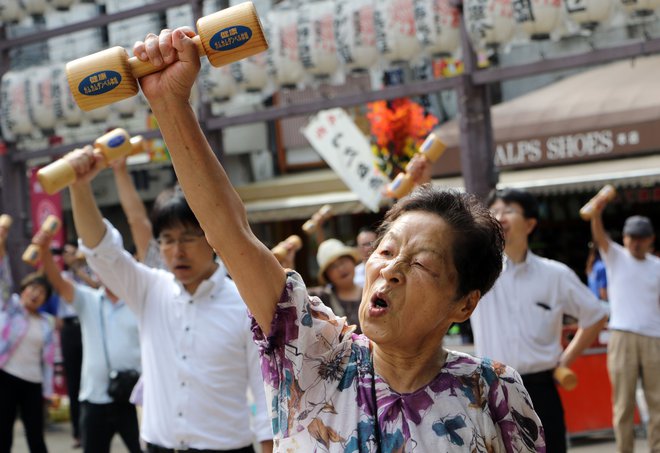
(285, 204)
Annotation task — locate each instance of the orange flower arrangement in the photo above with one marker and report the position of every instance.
(399, 127)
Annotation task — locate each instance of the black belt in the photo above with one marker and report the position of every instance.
(151, 448)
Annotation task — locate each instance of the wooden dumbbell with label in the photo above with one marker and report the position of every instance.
(113, 145)
(565, 377)
(110, 75)
(32, 253)
(607, 193)
(281, 250)
(431, 149)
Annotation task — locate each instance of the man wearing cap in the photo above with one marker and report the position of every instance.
(633, 351)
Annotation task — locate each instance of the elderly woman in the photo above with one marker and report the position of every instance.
(337, 263)
(394, 388)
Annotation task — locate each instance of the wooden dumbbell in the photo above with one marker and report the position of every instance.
(282, 249)
(324, 213)
(32, 253)
(5, 221)
(431, 149)
(607, 193)
(110, 75)
(565, 377)
(113, 145)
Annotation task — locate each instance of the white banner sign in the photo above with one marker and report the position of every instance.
(334, 135)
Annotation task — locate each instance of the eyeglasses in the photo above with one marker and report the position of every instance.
(506, 211)
(185, 240)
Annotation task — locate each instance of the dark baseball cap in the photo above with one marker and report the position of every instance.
(639, 226)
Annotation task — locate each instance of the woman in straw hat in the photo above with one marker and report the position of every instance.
(337, 264)
(395, 388)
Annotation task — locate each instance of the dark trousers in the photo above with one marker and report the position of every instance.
(156, 449)
(100, 422)
(17, 394)
(547, 403)
(71, 344)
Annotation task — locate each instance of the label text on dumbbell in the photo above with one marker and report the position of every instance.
(230, 38)
(99, 83)
(117, 141)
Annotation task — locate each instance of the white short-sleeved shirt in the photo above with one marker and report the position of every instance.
(120, 330)
(198, 357)
(519, 321)
(633, 289)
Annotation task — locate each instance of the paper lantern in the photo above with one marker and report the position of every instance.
(640, 7)
(281, 29)
(316, 38)
(11, 11)
(538, 18)
(438, 26)
(490, 23)
(126, 108)
(35, 7)
(396, 36)
(62, 4)
(14, 104)
(251, 74)
(99, 115)
(71, 113)
(355, 34)
(44, 100)
(589, 13)
(218, 84)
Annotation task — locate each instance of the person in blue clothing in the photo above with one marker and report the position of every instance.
(596, 274)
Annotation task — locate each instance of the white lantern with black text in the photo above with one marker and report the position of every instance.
(490, 23)
(438, 26)
(640, 7)
(396, 35)
(11, 11)
(538, 18)
(316, 38)
(355, 34)
(217, 83)
(44, 106)
(589, 13)
(15, 118)
(71, 113)
(281, 28)
(251, 74)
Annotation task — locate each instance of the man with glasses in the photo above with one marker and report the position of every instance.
(198, 357)
(365, 242)
(519, 321)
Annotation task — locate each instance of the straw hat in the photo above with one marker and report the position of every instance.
(330, 251)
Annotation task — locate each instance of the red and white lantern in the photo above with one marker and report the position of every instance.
(589, 13)
(251, 74)
(538, 18)
(396, 35)
(640, 7)
(355, 34)
(490, 23)
(15, 118)
(438, 26)
(317, 49)
(281, 28)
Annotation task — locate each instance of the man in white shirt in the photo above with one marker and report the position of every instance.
(110, 342)
(365, 243)
(198, 357)
(519, 321)
(633, 350)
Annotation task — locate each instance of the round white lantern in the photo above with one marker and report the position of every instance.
(251, 74)
(281, 28)
(217, 83)
(62, 4)
(126, 108)
(14, 104)
(355, 34)
(490, 23)
(589, 13)
(11, 11)
(538, 18)
(396, 36)
(316, 38)
(44, 106)
(35, 7)
(99, 115)
(438, 26)
(640, 7)
(71, 113)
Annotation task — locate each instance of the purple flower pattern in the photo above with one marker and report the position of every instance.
(325, 396)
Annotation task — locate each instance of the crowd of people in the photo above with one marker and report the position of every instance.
(233, 348)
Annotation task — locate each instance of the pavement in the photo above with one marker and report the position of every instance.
(58, 440)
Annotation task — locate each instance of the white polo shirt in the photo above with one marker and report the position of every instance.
(519, 321)
(633, 288)
(198, 356)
